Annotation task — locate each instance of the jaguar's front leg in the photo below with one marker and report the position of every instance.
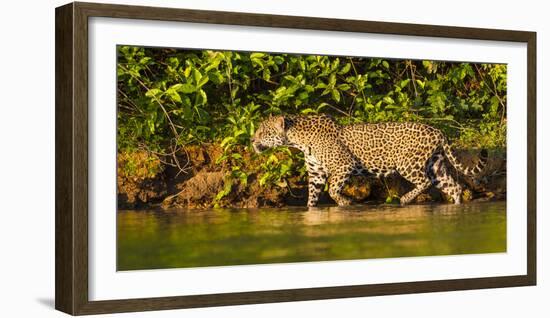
(316, 183)
(336, 186)
(317, 177)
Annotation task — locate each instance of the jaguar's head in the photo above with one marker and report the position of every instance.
(270, 133)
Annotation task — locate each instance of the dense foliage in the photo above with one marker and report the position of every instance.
(169, 99)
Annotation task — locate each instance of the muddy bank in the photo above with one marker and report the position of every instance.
(144, 180)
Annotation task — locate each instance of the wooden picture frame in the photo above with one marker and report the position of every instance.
(71, 124)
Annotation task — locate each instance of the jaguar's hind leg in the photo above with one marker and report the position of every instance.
(316, 182)
(420, 186)
(441, 178)
(418, 178)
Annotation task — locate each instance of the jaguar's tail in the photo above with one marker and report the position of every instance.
(467, 171)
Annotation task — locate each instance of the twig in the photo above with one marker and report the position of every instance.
(413, 78)
(337, 109)
(129, 100)
(459, 127)
(181, 169)
(290, 191)
(404, 69)
(121, 105)
(228, 71)
(352, 105)
(170, 197)
(173, 154)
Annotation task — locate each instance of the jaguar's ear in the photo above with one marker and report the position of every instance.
(280, 123)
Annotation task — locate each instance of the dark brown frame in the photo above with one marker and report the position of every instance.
(71, 158)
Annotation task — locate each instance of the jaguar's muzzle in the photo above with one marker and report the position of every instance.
(258, 147)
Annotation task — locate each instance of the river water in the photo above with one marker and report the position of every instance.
(151, 239)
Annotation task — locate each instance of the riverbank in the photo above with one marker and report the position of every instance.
(202, 180)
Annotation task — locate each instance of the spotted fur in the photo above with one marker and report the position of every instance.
(333, 153)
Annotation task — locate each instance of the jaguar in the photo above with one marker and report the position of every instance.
(333, 153)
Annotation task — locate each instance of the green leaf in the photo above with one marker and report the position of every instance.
(302, 65)
(344, 87)
(257, 55)
(263, 179)
(151, 126)
(308, 111)
(332, 79)
(303, 95)
(187, 88)
(227, 187)
(336, 95)
(266, 74)
(197, 75)
(404, 83)
(202, 81)
(388, 100)
(272, 159)
(144, 60)
(226, 140)
(153, 92)
(187, 72)
(174, 96)
(216, 77)
(345, 69)
(175, 87)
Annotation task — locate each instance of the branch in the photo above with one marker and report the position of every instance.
(129, 100)
(337, 109)
(413, 79)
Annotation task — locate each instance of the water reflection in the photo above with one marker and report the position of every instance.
(184, 238)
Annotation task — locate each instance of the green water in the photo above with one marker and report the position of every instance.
(194, 238)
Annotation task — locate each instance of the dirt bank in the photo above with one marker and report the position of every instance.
(144, 180)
